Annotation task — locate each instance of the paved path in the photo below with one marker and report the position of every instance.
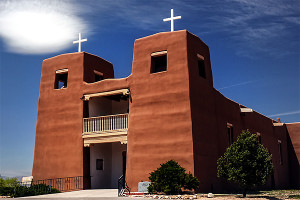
(109, 194)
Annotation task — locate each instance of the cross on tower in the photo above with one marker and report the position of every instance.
(172, 18)
(79, 41)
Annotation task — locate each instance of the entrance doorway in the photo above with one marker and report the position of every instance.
(107, 164)
(124, 155)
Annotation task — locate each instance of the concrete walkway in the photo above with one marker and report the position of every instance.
(111, 194)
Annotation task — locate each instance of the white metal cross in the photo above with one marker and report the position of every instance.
(172, 18)
(79, 41)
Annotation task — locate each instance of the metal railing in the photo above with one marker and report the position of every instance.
(48, 186)
(62, 184)
(105, 123)
(122, 186)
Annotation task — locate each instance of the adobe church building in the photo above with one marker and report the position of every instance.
(98, 128)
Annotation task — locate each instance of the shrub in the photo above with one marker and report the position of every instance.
(170, 178)
(6, 191)
(38, 189)
(191, 182)
(11, 187)
(7, 186)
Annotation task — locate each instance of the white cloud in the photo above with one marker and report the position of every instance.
(238, 84)
(253, 26)
(286, 113)
(37, 27)
(263, 26)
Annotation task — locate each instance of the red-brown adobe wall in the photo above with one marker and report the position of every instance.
(294, 153)
(102, 66)
(270, 135)
(294, 132)
(205, 143)
(58, 144)
(228, 111)
(211, 112)
(159, 117)
(173, 115)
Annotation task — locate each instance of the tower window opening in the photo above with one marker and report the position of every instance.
(280, 152)
(201, 66)
(159, 61)
(230, 133)
(98, 76)
(259, 137)
(61, 79)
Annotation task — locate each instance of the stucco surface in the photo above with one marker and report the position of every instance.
(294, 132)
(159, 118)
(294, 153)
(58, 143)
(174, 114)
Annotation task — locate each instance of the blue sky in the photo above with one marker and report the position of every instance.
(254, 46)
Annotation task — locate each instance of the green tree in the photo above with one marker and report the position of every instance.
(170, 177)
(246, 162)
(9, 182)
(7, 186)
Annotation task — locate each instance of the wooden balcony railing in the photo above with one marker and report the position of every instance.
(105, 123)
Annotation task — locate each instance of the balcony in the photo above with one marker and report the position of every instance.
(105, 123)
(105, 129)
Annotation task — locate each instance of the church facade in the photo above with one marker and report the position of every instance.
(94, 126)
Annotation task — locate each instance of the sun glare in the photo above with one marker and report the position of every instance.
(33, 31)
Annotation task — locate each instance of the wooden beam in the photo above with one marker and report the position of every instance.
(244, 110)
(86, 97)
(98, 73)
(107, 140)
(229, 125)
(159, 53)
(61, 71)
(278, 124)
(200, 57)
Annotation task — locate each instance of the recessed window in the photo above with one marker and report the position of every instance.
(98, 76)
(230, 133)
(201, 66)
(99, 164)
(159, 61)
(61, 79)
(280, 152)
(259, 137)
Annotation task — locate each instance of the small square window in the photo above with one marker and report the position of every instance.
(99, 164)
(159, 61)
(61, 79)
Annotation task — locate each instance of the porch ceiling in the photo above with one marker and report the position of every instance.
(105, 137)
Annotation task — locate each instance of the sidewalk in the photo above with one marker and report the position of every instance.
(111, 194)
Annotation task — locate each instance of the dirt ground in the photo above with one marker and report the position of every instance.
(261, 195)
